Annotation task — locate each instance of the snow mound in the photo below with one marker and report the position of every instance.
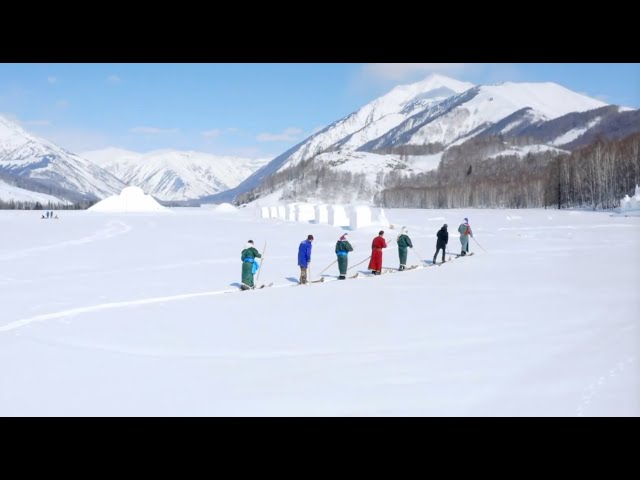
(130, 200)
(226, 207)
(631, 204)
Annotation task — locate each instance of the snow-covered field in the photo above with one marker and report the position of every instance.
(105, 314)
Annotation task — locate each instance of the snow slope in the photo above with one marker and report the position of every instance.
(25, 155)
(105, 315)
(175, 175)
(10, 192)
(361, 126)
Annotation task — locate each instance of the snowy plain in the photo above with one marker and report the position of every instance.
(126, 314)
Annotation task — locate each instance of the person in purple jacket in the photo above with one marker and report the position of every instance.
(304, 258)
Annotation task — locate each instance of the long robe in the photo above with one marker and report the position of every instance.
(247, 266)
(376, 253)
(343, 247)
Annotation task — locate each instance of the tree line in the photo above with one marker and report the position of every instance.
(596, 176)
(31, 205)
(481, 172)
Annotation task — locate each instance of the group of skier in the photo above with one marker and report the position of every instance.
(343, 247)
(49, 215)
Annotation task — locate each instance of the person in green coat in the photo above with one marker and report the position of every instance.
(248, 256)
(343, 247)
(404, 242)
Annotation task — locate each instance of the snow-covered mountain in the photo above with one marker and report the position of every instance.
(174, 175)
(464, 116)
(416, 123)
(48, 168)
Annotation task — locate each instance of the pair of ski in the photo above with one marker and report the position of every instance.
(323, 279)
(395, 270)
(247, 287)
(456, 255)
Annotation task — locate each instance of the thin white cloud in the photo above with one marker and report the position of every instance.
(10, 116)
(37, 123)
(24, 123)
(113, 79)
(287, 135)
(153, 130)
(402, 71)
(62, 104)
(233, 130)
(51, 79)
(213, 133)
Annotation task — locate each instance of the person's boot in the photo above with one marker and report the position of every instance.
(463, 253)
(342, 277)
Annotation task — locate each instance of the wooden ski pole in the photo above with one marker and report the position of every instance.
(418, 255)
(479, 245)
(328, 266)
(261, 266)
(359, 263)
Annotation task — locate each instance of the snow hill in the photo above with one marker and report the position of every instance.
(426, 118)
(42, 166)
(175, 175)
(130, 200)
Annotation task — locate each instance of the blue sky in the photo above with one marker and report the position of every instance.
(253, 110)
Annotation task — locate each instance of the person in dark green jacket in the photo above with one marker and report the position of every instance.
(404, 242)
(343, 247)
(248, 256)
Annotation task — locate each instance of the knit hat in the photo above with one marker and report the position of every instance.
(343, 237)
(444, 226)
(466, 220)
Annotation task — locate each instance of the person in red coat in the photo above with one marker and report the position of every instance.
(375, 265)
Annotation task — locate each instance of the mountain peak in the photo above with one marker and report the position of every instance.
(434, 81)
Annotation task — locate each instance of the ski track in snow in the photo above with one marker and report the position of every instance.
(113, 229)
(267, 354)
(597, 385)
(169, 266)
(145, 301)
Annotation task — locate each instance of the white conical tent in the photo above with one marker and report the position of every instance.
(130, 200)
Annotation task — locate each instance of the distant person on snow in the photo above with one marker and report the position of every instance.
(304, 258)
(47, 213)
(43, 217)
(443, 239)
(343, 247)
(465, 232)
(404, 242)
(249, 265)
(375, 264)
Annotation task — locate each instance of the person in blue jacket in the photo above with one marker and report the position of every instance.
(304, 258)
